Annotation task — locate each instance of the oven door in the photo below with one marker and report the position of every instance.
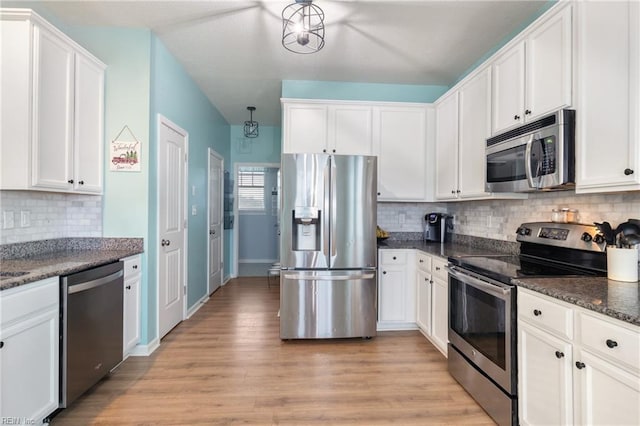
(482, 322)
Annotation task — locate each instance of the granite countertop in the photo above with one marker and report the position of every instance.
(437, 249)
(50, 258)
(616, 299)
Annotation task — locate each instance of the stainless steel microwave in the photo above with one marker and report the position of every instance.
(536, 156)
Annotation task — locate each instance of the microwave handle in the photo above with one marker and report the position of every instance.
(527, 163)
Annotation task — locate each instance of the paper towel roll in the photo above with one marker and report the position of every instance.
(622, 264)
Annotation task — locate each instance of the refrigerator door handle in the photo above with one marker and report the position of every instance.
(314, 277)
(334, 212)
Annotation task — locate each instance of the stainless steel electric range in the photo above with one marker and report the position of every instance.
(483, 311)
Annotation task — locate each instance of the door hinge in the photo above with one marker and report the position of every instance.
(185, 157)
(185, 290)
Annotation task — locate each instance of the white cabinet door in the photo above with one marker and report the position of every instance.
(89, 113)
(508, 88)
(53, 111)
(549, 71)
(423, 308)
(351, 130)
(131, 318)
(305, 128)
(447, 148)
(440, 315)
(402, 138)
(606, 394)
(474, 128)
(608, 122)
(29, 350)
(392, 294)
(544, 378)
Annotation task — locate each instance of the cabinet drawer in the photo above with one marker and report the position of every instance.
(393, 257)
(438, 269)
(611, 340)
(27, 299)
(546, 314)
(423, 262)
(132, 265)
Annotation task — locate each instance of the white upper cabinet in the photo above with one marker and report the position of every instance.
(395, 132)
(534, 76)
(608, 111)
(447, 148)
(318, 127)
(305, 127)
(52, 108)
(401, 134)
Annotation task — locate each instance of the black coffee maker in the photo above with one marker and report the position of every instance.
(436, 227)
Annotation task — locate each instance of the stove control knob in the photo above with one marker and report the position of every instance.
(586, 237)
(598, 239)
(524, 231)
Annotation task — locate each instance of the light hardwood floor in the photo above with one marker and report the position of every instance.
(227, 366)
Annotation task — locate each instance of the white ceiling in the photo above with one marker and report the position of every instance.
(233, 50)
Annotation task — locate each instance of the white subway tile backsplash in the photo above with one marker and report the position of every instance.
(506, 215)
(52, 215)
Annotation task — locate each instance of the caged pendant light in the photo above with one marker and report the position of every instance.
(303, 27)
(251, 127)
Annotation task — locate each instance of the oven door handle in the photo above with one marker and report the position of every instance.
(494, 288)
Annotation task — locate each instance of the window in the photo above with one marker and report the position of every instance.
(251, 190)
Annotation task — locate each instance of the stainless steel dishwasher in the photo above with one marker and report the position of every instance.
(90, 328)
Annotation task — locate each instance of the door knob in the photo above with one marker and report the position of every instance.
(212, 232)
(165, 243)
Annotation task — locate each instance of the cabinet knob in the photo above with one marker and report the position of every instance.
(333, 151)
(527, 112)
(611, 343)
(384, 272)
(81, 182)
(128, 287)
(378, 193)
(430, 281)
(580, 365)
(426, 280)
(457, 191)
(70, 181)
(453, 191)
(324, 150)
(135, 266)
(516, 117)
(394, 258)
(1, 345)
(559, 354)
(628, 172)
(537, 312)
(437, 268)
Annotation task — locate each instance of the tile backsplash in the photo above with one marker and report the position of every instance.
(498, 219)
(50, 215)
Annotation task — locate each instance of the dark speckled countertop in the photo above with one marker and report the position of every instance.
(50, 258)
(437, 249)
(616, 299)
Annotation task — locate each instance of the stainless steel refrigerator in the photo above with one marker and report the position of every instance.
(328, 246)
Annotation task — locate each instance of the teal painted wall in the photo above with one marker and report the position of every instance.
(177, 97)
(266, 148)
(351, 91)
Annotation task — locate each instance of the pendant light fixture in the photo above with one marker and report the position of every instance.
(303, 27)
(251, 127)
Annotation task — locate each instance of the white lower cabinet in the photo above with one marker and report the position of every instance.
(575, 366)
(396, 290)
(29, 351)
(131, 300)
(423, 292)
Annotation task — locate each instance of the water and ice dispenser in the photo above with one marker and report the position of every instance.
(306, 229)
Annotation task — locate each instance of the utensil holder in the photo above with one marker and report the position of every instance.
(622, 264)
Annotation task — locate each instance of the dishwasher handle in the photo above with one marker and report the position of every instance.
(77, 288)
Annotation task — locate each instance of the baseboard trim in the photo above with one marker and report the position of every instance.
(197, 306)
(145, 350)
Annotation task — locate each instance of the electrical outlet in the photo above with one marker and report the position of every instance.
(25, 218)
(7, 219)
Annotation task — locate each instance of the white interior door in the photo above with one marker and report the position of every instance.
(215, 206)
(171, 224)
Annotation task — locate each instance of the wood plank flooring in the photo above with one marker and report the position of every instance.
(227, 366)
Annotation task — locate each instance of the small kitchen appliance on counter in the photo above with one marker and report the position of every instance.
(437, 227)
(482, 306)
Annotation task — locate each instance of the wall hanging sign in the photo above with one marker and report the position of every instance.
(124, 152)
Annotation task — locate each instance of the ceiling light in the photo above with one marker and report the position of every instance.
(303, 27)
(251, 127)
